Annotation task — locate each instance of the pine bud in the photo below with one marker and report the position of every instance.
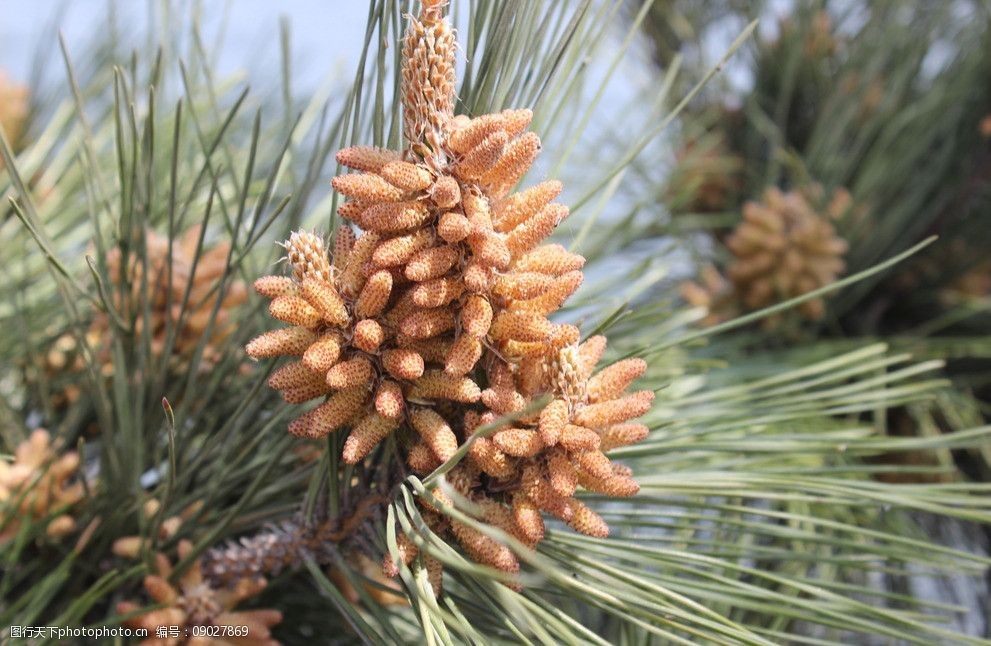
(403, 363)
(435, 384)
(427, 87)
(294, 310)
(520, 207)
(518, 442)
(275, 286)
(368, 335)
(431, 263)
(308, 256)
(453, 227)
(366, 158)
(389, 401)
(326, 301)
(406, 176)
(351, 373)
(435, 431)
(285, 341)
(366, 187)
(366, 435)
(400, 249)
(323, 353)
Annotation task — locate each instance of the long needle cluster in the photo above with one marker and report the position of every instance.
(434, 318)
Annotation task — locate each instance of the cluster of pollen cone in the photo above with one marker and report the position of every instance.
(181, 290)
(428, 317)
(40, 484)
(191, 601)
(784, 247)
(192, 285)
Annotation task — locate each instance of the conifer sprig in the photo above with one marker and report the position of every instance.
(759, 519)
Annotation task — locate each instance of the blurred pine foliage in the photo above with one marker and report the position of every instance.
(147, 191)
(885, 104)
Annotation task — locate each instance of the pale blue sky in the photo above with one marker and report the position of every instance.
(319, 41)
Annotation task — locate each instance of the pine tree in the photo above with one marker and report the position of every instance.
(472, 439)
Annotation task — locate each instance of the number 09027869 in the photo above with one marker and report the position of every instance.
(219, 631)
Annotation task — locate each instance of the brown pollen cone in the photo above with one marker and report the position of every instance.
(14, 107)
(38, 483)
(784, 248)
(193, 602)
(202, 278)
(714, 293)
